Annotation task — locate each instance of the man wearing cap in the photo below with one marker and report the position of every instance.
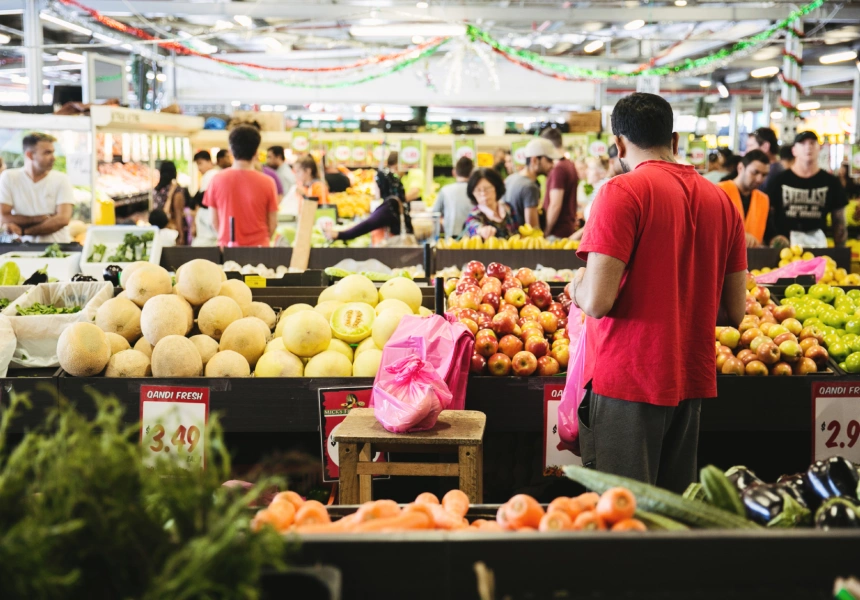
(522, 191)
(803, 196)
(559, 203)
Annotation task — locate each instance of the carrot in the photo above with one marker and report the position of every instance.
(569, 506)
(442, 519)
(312, 513)
(526, 529)
(616, 504)
(629, 525)
(502, 519)
(523, 511)
(322, 528)
(380, 509)
(289, 496)
(589, 521)
(427, 498)
(478, 523)
(404, 521)
(284, 512)
(456, 503)
(491, 526)
(587, 501)
(555, 521)
(280, 521)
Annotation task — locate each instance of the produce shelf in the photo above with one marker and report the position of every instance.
(759, 258)
(175, 256)
(41, 387)
(515, 259)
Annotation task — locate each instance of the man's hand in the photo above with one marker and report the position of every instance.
(751, 241)
(486, 231)
(13, 229)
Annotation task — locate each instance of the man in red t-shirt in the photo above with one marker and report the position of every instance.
(559, 203)
(665, 250)
(243, 193)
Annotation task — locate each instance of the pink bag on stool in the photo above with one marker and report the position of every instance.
(574, 392)
(408, 395)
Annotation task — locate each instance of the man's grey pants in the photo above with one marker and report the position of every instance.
(654, 444)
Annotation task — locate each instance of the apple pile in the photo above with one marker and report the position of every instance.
(518, 326)
(769, 341)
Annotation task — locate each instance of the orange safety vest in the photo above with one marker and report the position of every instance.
(755, 220)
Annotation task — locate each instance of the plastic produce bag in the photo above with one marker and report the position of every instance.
(8, 341)
(37, 335)
(408, 395)
(446, 346)
(815, 266)
(574, 386)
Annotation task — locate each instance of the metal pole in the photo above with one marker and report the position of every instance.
(855, 106)
(734, 124)
(33, 52)
(766, 102)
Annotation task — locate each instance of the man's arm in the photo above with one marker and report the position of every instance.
(733, 297)
(596, 288)
(439, 205)
(20, 220)
(531, 216)
(214, 214)
(273, 223)
(553, 211)
(840, 232)
(53, 223)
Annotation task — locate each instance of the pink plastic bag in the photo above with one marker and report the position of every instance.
(574, 392)
(408, 395)
(446, 346)
(814, 266)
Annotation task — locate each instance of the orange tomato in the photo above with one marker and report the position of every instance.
(427, 498)
(629, 525)
(616, 504)
(589, 521)
(523, 511)
(456, 503)
(555, 521)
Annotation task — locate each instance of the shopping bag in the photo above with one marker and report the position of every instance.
(574, 386)
(815, 266)
(408, 395)
(8, 341)
(446, 346)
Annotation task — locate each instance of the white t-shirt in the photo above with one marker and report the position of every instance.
(207, 178)
(30, 199)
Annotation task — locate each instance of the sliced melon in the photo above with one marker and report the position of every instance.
(352, 322)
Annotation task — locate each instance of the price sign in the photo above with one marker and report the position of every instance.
(855, 159)
(836, 429)
(359, 153)
(464, 149)
(79, 168)
(255, 281)
(648, 85)
(518, 153)
(173, 424)
(698, 154)
(301, 141)
(555, 452)
(335, 404)
(410, 152)
(378, 152)
(342, 152)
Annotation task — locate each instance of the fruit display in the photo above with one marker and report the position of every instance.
(832, 274)
(132, 248)
(542, 274)
(519, 329)
(614, 510)
(118, 180)
(261, 269)
(408, 272)
(352, 203)
(208, 325)
(515, 242)
(771, 340)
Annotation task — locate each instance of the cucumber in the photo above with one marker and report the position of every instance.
(655, 522)
(695, 491)
(720, 491)
(653, 499)
(336, 272)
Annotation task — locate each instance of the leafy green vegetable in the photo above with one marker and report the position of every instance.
(53, 251)
(132, 248)
(4, 302)
(42, 309)
(98, 253)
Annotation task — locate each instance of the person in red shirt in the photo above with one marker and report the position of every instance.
(244, 194)
(559, 204)
(665, 250)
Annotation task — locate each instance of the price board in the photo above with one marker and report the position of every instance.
(359, 153)
(855, 159)
(518, 152)
(335, 404)
(301, 141)
(836, 425)
(410, 153)
(698, 154)
(173, 425)
(555, 452)
(597, 147)
(465, 149)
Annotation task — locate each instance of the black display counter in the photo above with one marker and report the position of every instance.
(515, 259)
(40, 387)
(759, 258)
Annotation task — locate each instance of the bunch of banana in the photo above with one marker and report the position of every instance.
(515, 242)
(529, 231)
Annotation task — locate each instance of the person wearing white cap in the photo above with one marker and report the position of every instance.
(523, 192)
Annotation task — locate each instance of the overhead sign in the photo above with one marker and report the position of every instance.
(697, 153)
(410, 153)
(465, 148)
(301, 141)
(518, 152)
(648, 85)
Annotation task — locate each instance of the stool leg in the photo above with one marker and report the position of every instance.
(348, 459)
(469, 478)
(479, 450)
(365, 482)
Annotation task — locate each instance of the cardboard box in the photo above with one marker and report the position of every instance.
(588, 122)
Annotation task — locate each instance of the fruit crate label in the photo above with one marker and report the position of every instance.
(255, 281)
(836, 425)
(555, 453)
(464, 149)
(173, 425)
(518, 152)
(335, 404)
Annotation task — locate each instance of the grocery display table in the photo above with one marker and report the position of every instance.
(40, 386)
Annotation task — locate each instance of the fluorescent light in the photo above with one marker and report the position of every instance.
(271, 43)
(593, 46)
(11, 11)
(244, 20)
(46, 82)
(161, 77)
(808, 105)
(235, 103)
(106, 38)
(776, 115)
(680, 2)
(70, 56)
(417, 39)
(722, 89)
(5, 39)
(421, 5)
(266, 108)
(829, 59)
(427, 30)
(19, 79)
(634, 25)
(764, 72)
(70, 26)
(280, 108)
(705, 83)
(222, 25)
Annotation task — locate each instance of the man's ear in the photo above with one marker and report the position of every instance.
(622, 147)
(675, 138)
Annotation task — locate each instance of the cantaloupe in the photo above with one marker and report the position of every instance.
(238, 291)
(228, 364)
(262, 311)
(83, 350)
(200, 281)
(120, 315)
(148, 283)
(274, 345)
(206, 347)
(176, 356)
(424, 312)
(356, 288)
(367, 365)
(327, 308)
(342, 347)
(162, 316)
(367, 344)
(279, 363)
(328, 295)
(328, 364)
(128, 363)
(189, 312)
(144, 347)
(244, 336)
(306, 333)
(401, 288)
(352, 322)
(129, 270)
(117, 343)
(291, 310)
(264, 329)
(216, 314)
(392, 303)
(385, 324)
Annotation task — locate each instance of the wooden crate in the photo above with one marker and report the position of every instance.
(587, 122)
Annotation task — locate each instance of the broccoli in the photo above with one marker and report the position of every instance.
(130, 242)
(53, 251)
(145, 239)
(98, 254)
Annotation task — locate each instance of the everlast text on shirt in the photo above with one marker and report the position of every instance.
(804, 204)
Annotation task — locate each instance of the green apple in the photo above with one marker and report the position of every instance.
(827, 330)
(839, 351)
(805, 311)
(852, 363)
(848, 338)
(834, 319)
(811, 321)
(795, 290)
(845, 306)
(830, 340)
(854, 294)
(840, 332)
(852, 326)
(838, 292)
(822, 291)
(843, 366)
(855, 345)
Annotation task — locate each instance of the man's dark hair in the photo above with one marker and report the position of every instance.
(766, 134)
(203, 155)
(221, 154)
(730, 164)
(785, 153)
(490, 175)
(244, 142)
(393, 158)
(713, 157)
(277, 151)
(553, 135)
(726, 153)
(308, 162)
(166, 174)
(753, 156)
(158, 218)
(464, 167)
(645, 120)
(32, 140)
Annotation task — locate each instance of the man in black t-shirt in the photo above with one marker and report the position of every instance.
(803, 196)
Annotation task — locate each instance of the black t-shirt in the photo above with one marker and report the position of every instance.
(745, 201)
(337, 182)
(803, 203)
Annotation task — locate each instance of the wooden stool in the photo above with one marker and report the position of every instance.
(360, 436)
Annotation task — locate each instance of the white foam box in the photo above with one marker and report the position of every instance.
(112, 236)
(60, 269)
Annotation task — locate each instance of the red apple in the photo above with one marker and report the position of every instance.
(470, 324)
(478, 364)
(474, 269)
(450, 286)
(503, 323)
(497, 270)
(509, 309)
(561, 334)
(510, 345)
(524, 364)
(767, 317)
(547, 366)
(754, 308)
(818, 354)
(749, 335)
(530, 312)
(484, 321)
(768, 353)
(755, 368)
(733, 366)
(562, 355)
(806, 366)
(730, 337)
(781, 369)
(486, 332)
(541, 297)
(493, 299)
(784, 337)
(499, 364)
(467, 283)
(812, 332)
(749, 322)
(751, 283)
(453, 300)
(717, 332)
(526, 276)
(747, 356)
(517, 331)
(537, 345)
(471, 298)
(510, 282)
(515, 297)
(558, 310)
(765, 326)
(761, 294)
(781, 313)
(562, 324)
(486, 346)
(466, 313)
(721, 360)
(549, 322)
(487, 309)
(724, 350)
(807, 343)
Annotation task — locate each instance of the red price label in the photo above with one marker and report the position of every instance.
(836, 428)
(852, 431)
(173, 424)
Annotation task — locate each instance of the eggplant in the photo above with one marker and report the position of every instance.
(763, 503)
(40, 276)
(111, 274)
(742, 478)
(796, 486)
(834, 478)
(82, 277)
(837, 513)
